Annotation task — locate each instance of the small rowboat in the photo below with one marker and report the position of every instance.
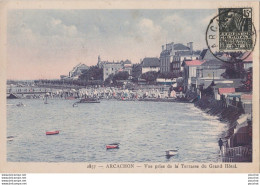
(112, 146)
(89, 100)
(171, 152)
(52, 132)
(20, 105)
(10, 138)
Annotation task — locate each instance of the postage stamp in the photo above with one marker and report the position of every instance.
(235, 29)
(231, 33)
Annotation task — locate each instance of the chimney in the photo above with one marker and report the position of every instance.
(172, 44)
(162, 47)
(99, 60)
(171, 47)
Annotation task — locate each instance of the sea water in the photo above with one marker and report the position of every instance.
(145, 130)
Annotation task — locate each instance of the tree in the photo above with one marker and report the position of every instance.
(234, 70)
(115, 77)
(121, 76)
(247, 84)
(167, 75)
(150, 76)
(109, 79)
(93, 73)
(137, 71)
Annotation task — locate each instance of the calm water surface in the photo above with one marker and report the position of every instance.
(145, 130)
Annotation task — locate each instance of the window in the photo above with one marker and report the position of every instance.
(199, 73)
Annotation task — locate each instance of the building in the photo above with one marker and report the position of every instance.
(136, 70)
(247, 60)
(190, 74)
(168, 53)
(77, 71)
(208, 72)
(126, 67)
(211, 69)
(129, 69)
(223, 87)
(115, 67)
(206, 55)
(100, 63)
(180, 57)
(111, 68)
(150, 64)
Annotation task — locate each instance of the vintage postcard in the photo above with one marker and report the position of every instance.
(129, 86)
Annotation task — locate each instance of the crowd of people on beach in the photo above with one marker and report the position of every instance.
(94, 92)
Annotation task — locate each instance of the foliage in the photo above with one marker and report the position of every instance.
(109, 79)
(137, 71)
(234, 70)
(247, 84)
(121, 76)
(150, 76)
(115, 78)
(167, 75)
(135, 79)
(93, 73)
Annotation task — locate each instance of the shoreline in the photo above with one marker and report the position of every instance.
(223, 112)
(231, 115)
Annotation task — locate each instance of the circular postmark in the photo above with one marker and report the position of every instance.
(231, 35)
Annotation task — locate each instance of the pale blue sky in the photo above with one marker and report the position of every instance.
(48, 43)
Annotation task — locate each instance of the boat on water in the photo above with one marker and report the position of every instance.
(20, 104)
(12, 96)
(112, 146)
(89, 100)
(10, 138)
(171, 152)
(52, 132)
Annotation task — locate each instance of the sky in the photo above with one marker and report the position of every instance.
(44, 44)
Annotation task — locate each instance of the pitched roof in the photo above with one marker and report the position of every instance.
(126, 61)
(203, 53)
(247, 57)
(150, 62)
(183, 53)
(207, 55)
(213, 63)
(246, 96)
(194, 62)
(197, 52)
(226, 90)
(180, 47)
(187, 53)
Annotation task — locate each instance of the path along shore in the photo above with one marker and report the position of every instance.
(238, 137)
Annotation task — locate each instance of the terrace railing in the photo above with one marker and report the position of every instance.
(237, 154)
